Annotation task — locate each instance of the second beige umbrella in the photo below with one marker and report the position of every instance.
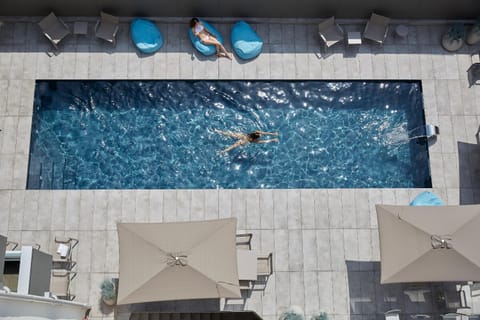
(177, 261)
(429, 243)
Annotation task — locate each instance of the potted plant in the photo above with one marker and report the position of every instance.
(293, 313)
(454, 38)
(109, 292)
(320, 316)
(473, 36)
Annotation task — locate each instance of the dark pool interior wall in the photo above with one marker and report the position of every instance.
(162, 135)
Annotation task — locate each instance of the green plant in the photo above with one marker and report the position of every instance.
(108, 289)
(293, 313)
(290, 315)
(456, 31)
(320, 316)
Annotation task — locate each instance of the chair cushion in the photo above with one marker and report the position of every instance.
(245, 41)
(146, 36)
(427, 199)
(206, 50)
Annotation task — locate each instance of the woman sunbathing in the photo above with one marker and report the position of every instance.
(207, 38)
(245, 138)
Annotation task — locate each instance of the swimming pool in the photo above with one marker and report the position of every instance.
(161, 135)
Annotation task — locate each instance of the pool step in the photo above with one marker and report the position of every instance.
(46, 175)
(34, 174)
(50, 175)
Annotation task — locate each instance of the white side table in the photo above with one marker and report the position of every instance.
(80, 28)
(354, 38)
(401, 31)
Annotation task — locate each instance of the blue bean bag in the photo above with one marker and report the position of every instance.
(202, 48)
(146, 36)
(427, 199)
(245, 41)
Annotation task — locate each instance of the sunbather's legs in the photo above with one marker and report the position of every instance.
(218, 46)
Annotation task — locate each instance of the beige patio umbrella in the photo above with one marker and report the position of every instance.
(177, 261)
(429, 243)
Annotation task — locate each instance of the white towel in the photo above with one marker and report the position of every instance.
(62, 250)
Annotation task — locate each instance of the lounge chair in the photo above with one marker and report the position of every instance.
(60, 284)
(206, 50)
(376, 28)
(330, 32)
(265, 265)
(146, 36)
(62, 258)
(393, 314)
(107, 27)
(245, 41)
(474, 74)
(54, 29)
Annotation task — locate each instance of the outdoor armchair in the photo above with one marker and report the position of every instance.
(54, 29)
(330, 32)
(376, 28)
(243, 241)
(107, 27)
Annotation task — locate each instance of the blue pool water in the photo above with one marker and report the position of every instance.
(160, 134)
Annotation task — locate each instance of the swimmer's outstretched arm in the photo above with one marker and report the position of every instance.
(268, 133)
(267, 141)
(233, 146)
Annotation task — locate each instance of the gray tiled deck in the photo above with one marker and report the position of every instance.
(311, 232)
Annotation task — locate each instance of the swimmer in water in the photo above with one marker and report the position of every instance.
(246, 138)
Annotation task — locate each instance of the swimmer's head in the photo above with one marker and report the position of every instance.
(193, 22)
(254, 136)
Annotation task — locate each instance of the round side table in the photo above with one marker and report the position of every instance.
(401, 31)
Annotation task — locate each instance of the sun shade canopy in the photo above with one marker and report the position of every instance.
(177, 261)
(429, 243)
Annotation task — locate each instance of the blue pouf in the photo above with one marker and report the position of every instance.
(245, 41)
(427, 199)
(146, 36)
(202, 48)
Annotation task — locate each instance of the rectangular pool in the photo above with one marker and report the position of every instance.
(161, 135)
